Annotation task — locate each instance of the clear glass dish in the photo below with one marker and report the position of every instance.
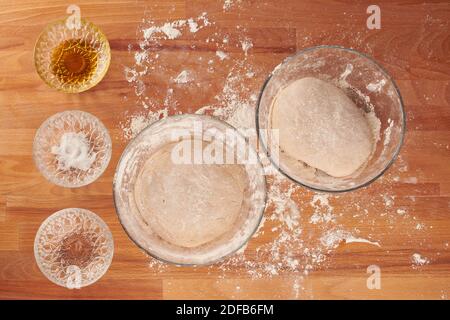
(72, 60)
(51, 150)
(366, 83)
(73, 248)
(133, 215)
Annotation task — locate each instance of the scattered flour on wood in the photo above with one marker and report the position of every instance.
(183, 77)
(419, 260)
(333, 238)
(229, 4)
(246, 44)
(222, 55)
(323, 211)
(300, 229)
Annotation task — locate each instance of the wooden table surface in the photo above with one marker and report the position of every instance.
(413, 44)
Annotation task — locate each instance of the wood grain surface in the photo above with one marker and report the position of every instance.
(413, 44)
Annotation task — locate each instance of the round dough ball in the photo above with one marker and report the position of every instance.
(319, 125)
(189, 204)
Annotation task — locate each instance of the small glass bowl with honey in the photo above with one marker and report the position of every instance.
(72, 60)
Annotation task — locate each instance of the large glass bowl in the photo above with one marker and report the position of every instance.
(88, 48)
(134, 218)
(366, 83)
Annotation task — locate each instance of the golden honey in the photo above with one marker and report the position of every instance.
(74, 61)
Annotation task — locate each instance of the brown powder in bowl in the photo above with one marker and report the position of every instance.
(77, 249)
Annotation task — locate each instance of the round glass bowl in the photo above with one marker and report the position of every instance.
(73, 248)
(366, 83)
(182, 217)
(72, 148)
(72, 60)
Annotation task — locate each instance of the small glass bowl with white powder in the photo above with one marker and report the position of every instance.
(72, 148)
(330, 119)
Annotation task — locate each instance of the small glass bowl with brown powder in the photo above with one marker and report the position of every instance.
(73, 248)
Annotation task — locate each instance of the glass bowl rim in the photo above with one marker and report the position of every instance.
(83, 22)
(385, 74)
(150, 126)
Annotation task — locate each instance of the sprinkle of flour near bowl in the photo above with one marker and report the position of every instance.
(222, 55)
(419, 260)
(183, 77)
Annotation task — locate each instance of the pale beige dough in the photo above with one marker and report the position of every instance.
(320, 126)
(189, 204)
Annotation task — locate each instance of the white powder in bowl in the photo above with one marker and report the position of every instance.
(74, 152)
